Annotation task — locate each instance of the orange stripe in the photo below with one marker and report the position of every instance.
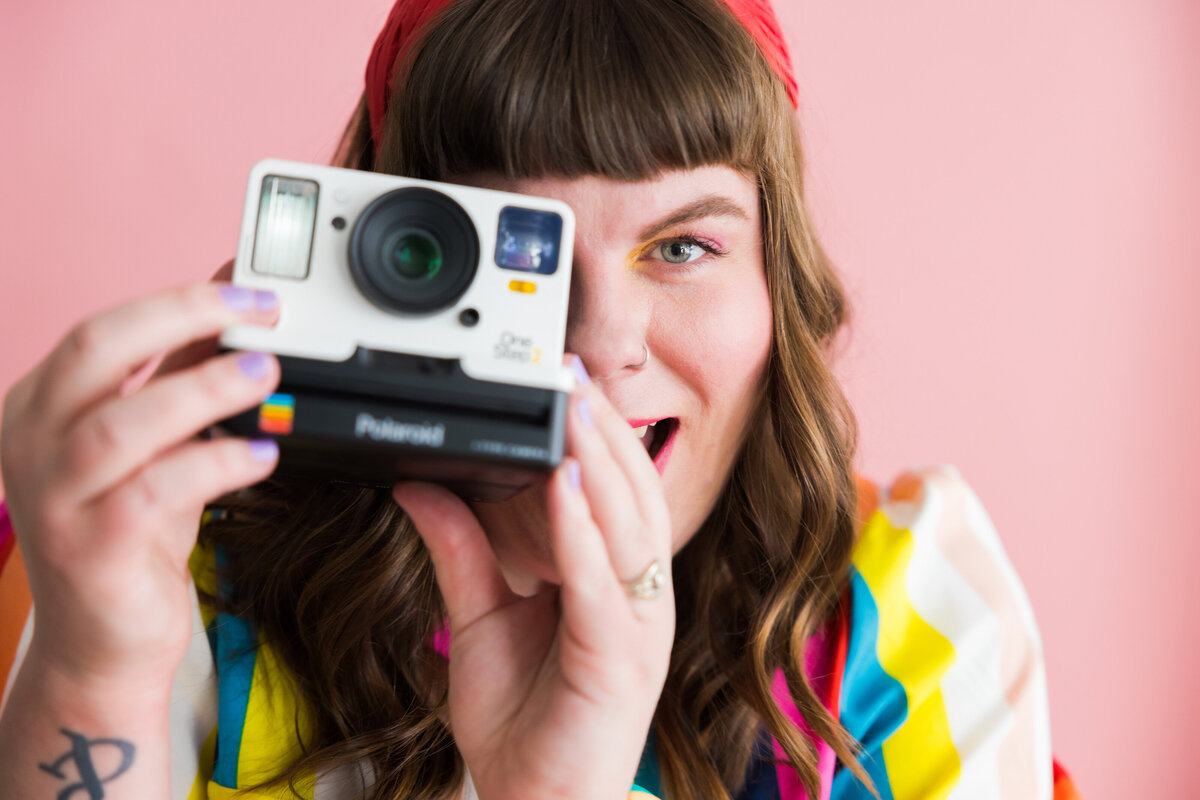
(15, 602)
(868, 498)
(1064, 787)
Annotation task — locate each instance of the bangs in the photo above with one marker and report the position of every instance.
(620, 88)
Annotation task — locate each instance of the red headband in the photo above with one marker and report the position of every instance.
(408, 15)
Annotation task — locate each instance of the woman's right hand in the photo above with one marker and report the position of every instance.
(105, 485)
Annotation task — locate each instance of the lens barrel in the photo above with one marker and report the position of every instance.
(413, 250)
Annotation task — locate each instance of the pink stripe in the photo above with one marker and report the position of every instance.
(6, 530)
(441, 640)
(818, 657)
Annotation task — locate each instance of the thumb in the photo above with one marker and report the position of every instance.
(467, 572)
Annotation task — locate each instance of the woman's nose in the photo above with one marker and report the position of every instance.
(608, 316)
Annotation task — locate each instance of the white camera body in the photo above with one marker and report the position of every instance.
(519, 336)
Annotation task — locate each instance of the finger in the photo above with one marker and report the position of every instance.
(141, 375)
(467, 572)
(633, 525)
(188, 355)
(108, 444)
(195, 352)
(101, 352)
(592, 598)
(626, 449)
(594, 601)
(610, 497)
(183, 480)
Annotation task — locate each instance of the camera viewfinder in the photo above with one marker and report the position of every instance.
(527, 240)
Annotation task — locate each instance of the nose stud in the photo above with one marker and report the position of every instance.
(645, 358)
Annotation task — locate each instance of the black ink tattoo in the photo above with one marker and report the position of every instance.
(90, 784)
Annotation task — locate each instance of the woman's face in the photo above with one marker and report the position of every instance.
(673, 264)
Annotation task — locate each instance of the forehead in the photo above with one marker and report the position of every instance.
(608, 206)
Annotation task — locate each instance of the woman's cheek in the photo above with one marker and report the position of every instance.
(720, 344)
(731, 339)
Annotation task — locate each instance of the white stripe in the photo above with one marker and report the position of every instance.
(19, 656)
(986, 532)
(193, 712)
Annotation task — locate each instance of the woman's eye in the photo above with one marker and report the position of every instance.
(681, 251)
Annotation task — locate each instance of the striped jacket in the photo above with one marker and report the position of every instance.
(933, 664)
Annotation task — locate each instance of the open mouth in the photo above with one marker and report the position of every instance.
(656, 435)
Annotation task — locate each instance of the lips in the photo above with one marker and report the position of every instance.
(658, 437)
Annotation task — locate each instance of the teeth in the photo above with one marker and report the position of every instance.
(640, 432)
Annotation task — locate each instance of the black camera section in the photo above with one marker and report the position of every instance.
(414, 250)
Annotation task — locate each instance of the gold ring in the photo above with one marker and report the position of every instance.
(648, 585)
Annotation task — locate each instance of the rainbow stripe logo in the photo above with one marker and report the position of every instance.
(276, 414)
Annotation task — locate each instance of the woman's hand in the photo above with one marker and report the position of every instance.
(552, 695)
(106, 482)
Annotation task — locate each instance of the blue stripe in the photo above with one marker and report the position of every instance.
(762, 779)
(234, 651)
(762, 776)
(647, 778)
(235, 656)
(873, 704)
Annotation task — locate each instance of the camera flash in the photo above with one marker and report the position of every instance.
(287, 216)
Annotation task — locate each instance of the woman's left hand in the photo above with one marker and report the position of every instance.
(552, 695)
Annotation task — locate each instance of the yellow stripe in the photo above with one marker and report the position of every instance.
(273, 724)
(270, 734)
(202, 563)
(920, 756)
(275, 721)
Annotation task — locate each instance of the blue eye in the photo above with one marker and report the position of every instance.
(681, 251)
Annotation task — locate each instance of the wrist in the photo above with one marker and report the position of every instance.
(140, 694)
(54, 724)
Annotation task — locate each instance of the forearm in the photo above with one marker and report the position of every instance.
(107, 741)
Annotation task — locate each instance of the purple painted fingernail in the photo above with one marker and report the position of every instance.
(573, 474)
(239, 298)
(264, 449)
(585, 412)
(266, 300)
(253, 365)
(580, 373)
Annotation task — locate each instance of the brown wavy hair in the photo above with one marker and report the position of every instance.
(336, 579)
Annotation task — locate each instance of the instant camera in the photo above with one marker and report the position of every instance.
(421, 331)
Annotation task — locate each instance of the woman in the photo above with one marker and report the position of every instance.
(674, 613)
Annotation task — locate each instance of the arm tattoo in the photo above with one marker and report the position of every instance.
(90, 785)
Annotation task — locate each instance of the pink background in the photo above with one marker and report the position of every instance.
(1011, 191)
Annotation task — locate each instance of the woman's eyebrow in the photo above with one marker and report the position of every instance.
(711, 205)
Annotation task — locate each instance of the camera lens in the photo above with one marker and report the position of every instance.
(415, 255)
(414, 250)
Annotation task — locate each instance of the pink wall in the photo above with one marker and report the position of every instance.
(1013, 196)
